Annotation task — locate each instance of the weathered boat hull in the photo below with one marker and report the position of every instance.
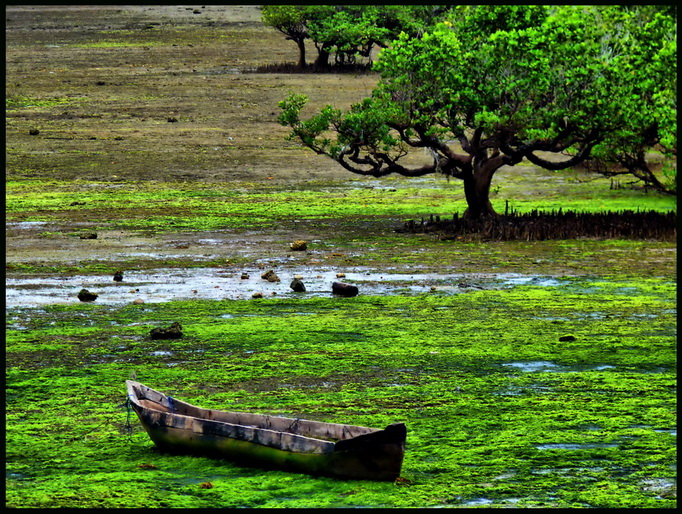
(271, 442)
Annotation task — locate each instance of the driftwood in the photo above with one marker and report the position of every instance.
(539, 226)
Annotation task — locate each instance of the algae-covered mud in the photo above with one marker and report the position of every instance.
(535, 395)
(529, 374)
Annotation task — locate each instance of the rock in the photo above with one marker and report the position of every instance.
(172, 120)
(567, 338)
(118, 276)
(340, 275)
(89, 235)
(299, 245)
(245, 276)
(343, 289)
(172, 332)
(86, 296)
(33, 132)
(138, 301)
(297, 285)
(270, 276)
(257, 295)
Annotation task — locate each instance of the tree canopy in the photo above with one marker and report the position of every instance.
(493, 85)
(347, 31)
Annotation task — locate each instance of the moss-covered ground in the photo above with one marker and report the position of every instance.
(499, 411)
(558, 390)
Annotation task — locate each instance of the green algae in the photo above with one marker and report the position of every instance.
(179, 206)
(592, 428)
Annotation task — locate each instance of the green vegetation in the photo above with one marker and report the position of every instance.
(496, 85)
(348, 32)
(497, 408)
(16, 102)
(555, 387)
(182, 206)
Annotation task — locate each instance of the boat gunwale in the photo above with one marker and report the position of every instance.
(264, 420)
(370, 454)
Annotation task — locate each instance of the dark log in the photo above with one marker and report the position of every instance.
(343, 289)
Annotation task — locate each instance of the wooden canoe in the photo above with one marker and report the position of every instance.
(271, 442)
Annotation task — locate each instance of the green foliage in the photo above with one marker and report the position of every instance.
(509, 82)
(349, 31)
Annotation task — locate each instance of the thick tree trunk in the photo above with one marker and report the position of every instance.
(477, 182)
(301, 53)
(477, 189)
(478, 206)
(322, 58)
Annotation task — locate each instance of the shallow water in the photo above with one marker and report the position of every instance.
(546, 366)
(166, 284)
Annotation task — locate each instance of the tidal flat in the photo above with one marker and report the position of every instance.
(497, 408)
(529, 373)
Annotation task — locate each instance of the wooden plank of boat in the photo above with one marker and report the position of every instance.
(275, 442)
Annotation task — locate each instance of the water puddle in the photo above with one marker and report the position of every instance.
(547, 366)
(162, 285)
(523, 390)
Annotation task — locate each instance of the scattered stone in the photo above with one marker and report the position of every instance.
(567, 338)
(72, 204)
(138, 301)
(118, 276)
(172, 120)
(299, 245)
(101, 83)
(257, 295)
(297, 285)
(89, 235)
(340, 275)
(33, 132)
(245, 276)
(86, 296)
(270, 276)
(172, 332)
(343, 289)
